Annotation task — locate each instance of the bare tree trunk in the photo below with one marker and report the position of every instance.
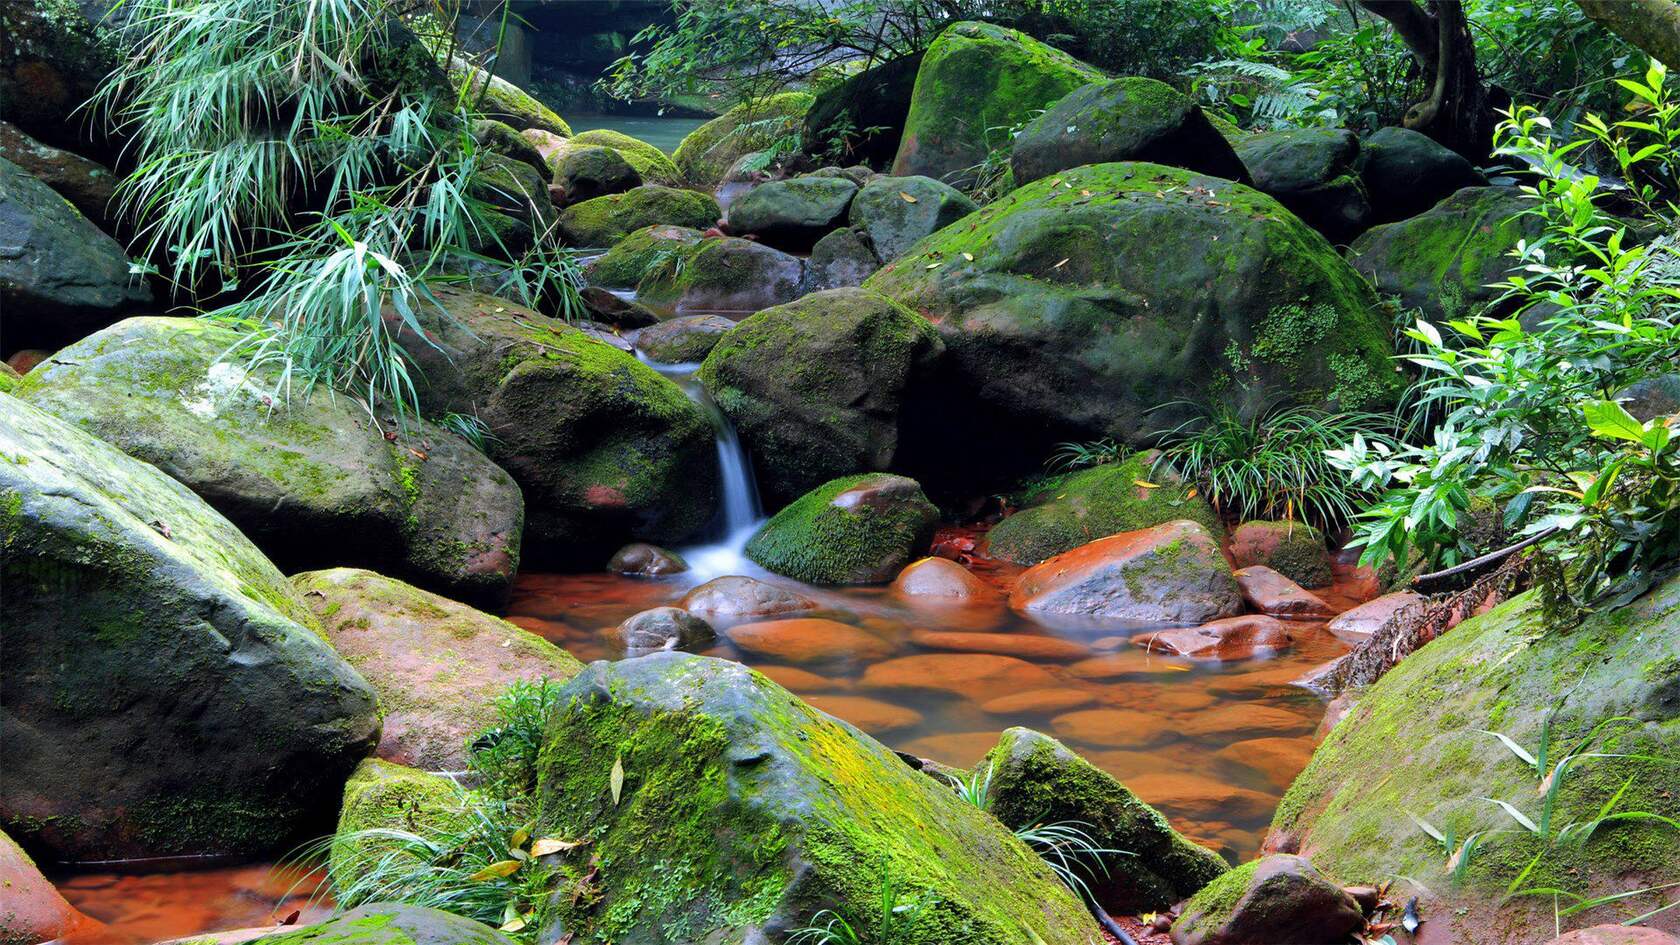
(1458, 111)
(1651, 25)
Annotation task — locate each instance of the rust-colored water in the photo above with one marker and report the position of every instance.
(152, 907)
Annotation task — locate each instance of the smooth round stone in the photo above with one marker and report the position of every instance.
(1269, 592)
(794, 679)
(1196, 797)
(736, 596)
(1233, 638)
(809, 640)
(1039, 702)
(871, 715)
(941, 579)
(1125, 663)
(640, 559)
(1277, 760)
(1023, 645)
(1240, 721)
(1111, 728)
(960, 749)
(664, 628)
(979, 676)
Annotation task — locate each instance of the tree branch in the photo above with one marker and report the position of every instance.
(1651, 25)
(1414, 26)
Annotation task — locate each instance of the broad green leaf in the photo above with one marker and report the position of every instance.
(1607, 418)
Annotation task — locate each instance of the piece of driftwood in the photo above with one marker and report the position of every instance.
(1437, 581)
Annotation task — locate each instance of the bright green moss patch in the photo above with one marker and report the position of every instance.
(1071, 510)
(606, 221)
(854, 530)
(385, 796)
(651, 163)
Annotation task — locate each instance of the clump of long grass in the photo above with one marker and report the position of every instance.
(895, 914)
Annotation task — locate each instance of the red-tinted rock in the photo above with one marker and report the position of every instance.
(940, 579)
(1234, 638)
(1195, 796)
(978, 676)
(1132, 662)
(1269, 592)
(962, 749)
(1356, 626)
(1111, 728)
(741, 598)
(871, 715)
(1236, 720)
(809, 640)
(31, 910)
(802, 681)
(1172, 573)
(1293, 549)
(1039, 701)
(1280, 900)
(1027, 646)
(640, 559)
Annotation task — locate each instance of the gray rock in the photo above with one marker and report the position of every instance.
(664, 628)
(1406, 172)
(792, 213)
(894, 224)
(1313, 172)
(391, 924)
(841, 259)
(682, 340)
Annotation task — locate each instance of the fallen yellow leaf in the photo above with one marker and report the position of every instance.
(968, 256)
(1146, 485)
(495, 870)
(906, 197)
(548, 845)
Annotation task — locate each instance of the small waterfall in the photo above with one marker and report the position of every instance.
(739, 513)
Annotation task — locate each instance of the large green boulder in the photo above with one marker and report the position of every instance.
(505, 102)
(897, 212)
(861, 119)
(605, 448)
(1418, 743)
(707, 153)
(589, 172)
(1130, 119)
(1102, 302)
(607, 220)
(1444, 261)
(381, 796)
(1064, 512)
(389, 923)
(682, 271)
(793, 213)
(816, 387)
(976, 82)
(741, 812)
(164, 690)
(415, 500)
(1034, 779)
(1315, 173)
(854, 530)
(438, 665)
(60, 277)
(654, 165)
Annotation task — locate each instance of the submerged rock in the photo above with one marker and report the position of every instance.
(1064, 512)
(1314, 172)
(736, 597)
(815, 387)
(940, 579)
(663, 628)
(606, 220)
(897, 212)
(1279, 900)
(1295, 550)
(1035, 779)
(1170, 573)
(1063, 320)
(605, 448)
(1233, 638)
(976, 77)
(316, 482)
(853, 530)
(149, 647)
(390, 924)
(1504, 671)
(438, 666)
(730, 823)
(1129, 119)
(806, 640)
(1444, 261)
(60, 277)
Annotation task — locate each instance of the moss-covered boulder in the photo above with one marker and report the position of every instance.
(382, 796)
(499, 137)
(88, 185)
(654, 165)
(1130, 119)
(862, 118)
(1064, 512)
(1075, 310)
(854, 530)
(1295, 550)
(680, 270)
(1279, 899)
(792, 213)
(706, 153)
(589, 172)
(389, 923)
(1406, 172)
(424, 504)
(840, 260)
(974, 78)
(743, 812)
(149, 648)
(897, 212)
(1314, 172)
(604, 221)
(1170, 573)
(60, 277)
(815, 387)
(1444, 261)
(1417, 743)
(605, 448)
(438, 666)
(32, 911)
(1035, 779)
(9, 378)
(502, 100)
(524, 208)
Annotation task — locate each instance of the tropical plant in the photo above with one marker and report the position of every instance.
(895, 914)
(1071, 852)
(1272, 465)
(976, 789)
(1070, 456)
(308, 165)
(469, 427)
(503, 757)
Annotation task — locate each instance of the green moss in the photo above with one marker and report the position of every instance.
(506, 102)
(1067, 511)
(1218, 899)
(608, 220)
(707, 152)
(385, 796)
(1297, 550)
(820, 540)
(651, 163)
(647, 254)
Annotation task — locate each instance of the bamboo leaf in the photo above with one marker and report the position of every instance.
(617, 778)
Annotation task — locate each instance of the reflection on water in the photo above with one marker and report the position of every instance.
(663, 133)
(158, 906)
(1212, 744)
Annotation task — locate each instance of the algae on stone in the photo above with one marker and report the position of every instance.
(854, 530)
(1070, 510)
